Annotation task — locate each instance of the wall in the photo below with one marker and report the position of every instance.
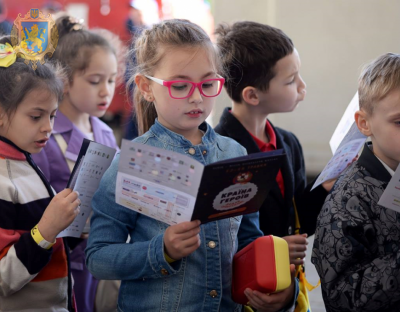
(334, 39)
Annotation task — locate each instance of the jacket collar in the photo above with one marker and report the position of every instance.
(64, 126)
(9, 150)
(372, 164)
(235, 130)
(171, 138)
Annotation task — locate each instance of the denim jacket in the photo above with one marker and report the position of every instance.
(198, 282)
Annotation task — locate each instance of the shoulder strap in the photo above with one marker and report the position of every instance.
(300, 270)
(63, 147)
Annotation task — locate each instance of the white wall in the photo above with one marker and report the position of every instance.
(334, 39)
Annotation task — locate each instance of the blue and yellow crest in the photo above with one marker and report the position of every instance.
(34, 13)
(34, 37)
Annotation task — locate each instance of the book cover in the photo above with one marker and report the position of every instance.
(237, 186)
(173, 188)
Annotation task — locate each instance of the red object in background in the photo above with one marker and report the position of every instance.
(115, 21)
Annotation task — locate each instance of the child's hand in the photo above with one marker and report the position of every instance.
(59, 214)
(327, 185)
(182, 239)
(272, 302)
(297, 248)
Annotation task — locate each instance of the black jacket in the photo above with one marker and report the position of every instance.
(356, 247)
(277, 213)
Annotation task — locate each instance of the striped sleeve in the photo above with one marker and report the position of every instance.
(21, 259)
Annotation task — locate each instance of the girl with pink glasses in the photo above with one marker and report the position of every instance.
(184, 267)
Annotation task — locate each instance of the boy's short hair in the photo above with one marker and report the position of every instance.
(378, 79)
(249, 53)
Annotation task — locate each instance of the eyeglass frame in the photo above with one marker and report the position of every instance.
(198, 85)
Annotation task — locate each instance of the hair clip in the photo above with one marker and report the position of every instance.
(77, 24)
(8, 55)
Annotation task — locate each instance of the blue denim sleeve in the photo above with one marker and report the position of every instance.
(108, 255)
(249, 230)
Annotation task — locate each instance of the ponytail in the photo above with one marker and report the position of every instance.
(145, 112)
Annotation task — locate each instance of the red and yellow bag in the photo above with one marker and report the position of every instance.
(262, 265)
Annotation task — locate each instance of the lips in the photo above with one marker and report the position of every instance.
(43, 140)
(194, 112)
(102, 106)
(41, 143)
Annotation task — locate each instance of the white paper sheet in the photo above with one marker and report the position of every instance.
(92, 166)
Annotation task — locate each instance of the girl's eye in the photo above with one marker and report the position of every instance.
(207, 85)
(180, 87)
(111, 81)
(53, 117)
(397, 122)
(94, 82)
(35, 118)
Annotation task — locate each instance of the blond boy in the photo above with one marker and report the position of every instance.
(356, 248)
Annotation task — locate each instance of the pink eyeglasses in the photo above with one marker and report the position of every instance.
(182, 89)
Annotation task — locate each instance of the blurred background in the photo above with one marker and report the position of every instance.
(334, 39)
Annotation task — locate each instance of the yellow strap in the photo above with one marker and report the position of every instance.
(296, 219)
(300, 269)
(168, 258)
(247, 308)
(38, 238)
(302, 277)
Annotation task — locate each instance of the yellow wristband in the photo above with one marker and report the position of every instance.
(38, 238)
(168, 258)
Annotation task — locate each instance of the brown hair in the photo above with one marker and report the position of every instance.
(249, 53)
(76, 45)
(378, 79)
(120, 50)
(19, 79)
(149, 49)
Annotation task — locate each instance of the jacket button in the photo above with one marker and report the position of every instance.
(290, 230)
(213, 293)
(204, 152)
(164, 272)
(192, 151)
(211, 244)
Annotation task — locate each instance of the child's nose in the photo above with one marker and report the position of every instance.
(105, 90)
(47, 125)
(302, 88)
(196, 97)
(302, 85)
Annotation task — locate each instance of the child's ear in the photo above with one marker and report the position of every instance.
(362, 121)
(66, 86)
(144, 86)
(250, 96)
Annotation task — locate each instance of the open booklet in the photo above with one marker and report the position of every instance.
(93, 160)
(346, 143)
(173, 188)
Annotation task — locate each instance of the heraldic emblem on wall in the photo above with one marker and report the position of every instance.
(34, 37)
